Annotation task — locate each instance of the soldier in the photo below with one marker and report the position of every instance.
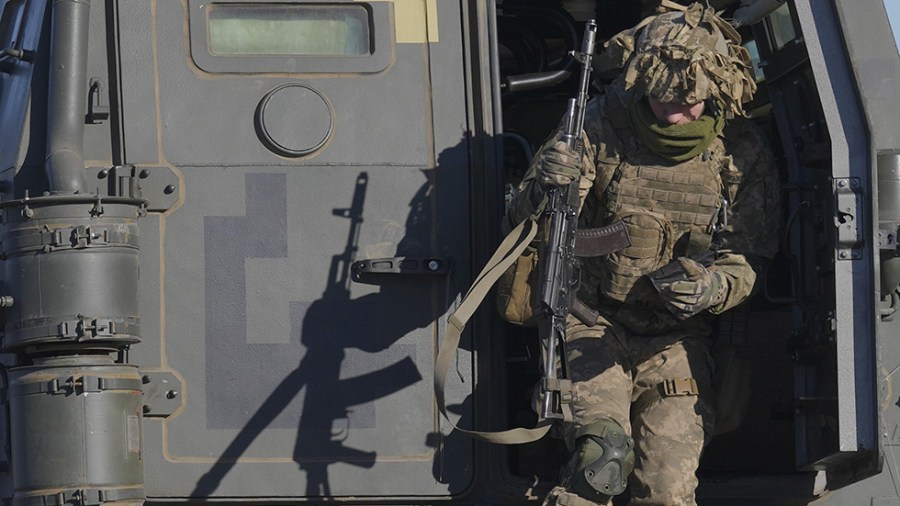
(669, 153)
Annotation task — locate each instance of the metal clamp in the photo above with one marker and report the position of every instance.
(163, 393)
(12, 54)
(87, 328)
(679, 387)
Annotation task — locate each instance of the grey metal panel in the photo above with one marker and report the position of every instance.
(138, 81)
(149, 300)
(853, 278)
(876, 65)
(291, 359)
(222, 109)
(97, 142)
(295, 382)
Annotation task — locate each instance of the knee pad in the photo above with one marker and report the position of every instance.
(605, 458)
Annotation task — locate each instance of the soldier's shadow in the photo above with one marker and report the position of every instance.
(335, 401)
(328, 404)
(333, 406)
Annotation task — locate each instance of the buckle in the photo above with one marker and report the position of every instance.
(679, 387)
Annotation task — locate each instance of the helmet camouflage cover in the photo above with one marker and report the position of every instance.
(685, 57)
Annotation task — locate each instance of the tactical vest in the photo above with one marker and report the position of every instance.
(670, 209)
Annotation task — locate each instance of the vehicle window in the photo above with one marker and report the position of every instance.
(281, 29)
(781, 28)
(893, 12)
(263, 36)
(753, 49)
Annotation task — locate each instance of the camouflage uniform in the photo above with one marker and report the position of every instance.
(645, 363)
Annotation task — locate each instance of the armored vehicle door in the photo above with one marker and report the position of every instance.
(308, 169)
(827, 66)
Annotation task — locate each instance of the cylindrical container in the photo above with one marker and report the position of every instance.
(75, 431)
(71, 267)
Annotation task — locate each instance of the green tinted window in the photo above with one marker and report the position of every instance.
(278, 29)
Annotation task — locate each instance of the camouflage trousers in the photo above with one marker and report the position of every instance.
(619, 375)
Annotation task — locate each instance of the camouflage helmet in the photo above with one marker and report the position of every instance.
(685, 56)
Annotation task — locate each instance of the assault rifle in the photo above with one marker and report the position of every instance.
(559, 274)
(557, 264)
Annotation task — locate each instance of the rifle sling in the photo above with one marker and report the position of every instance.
(589, 242)
(510, 249)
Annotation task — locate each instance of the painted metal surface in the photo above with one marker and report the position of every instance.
(270, 369)
(298, 381)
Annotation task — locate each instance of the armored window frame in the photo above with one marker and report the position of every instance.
(380, 43)
(781, 25)
(779, 57)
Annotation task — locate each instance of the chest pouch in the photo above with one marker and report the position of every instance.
(651, 247)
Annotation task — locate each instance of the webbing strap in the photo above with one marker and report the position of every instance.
(678, 387)
(668, 388)
(510, 249)
(564, 387)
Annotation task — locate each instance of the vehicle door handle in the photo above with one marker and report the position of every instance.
(414, 266)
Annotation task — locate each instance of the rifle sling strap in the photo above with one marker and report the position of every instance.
(510, 249)
(589, 242)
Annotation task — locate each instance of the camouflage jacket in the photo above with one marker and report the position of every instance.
(620, 174)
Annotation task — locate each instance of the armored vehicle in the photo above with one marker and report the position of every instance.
(232, 233)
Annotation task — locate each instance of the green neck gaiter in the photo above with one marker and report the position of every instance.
(674, 142)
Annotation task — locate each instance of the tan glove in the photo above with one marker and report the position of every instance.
(687, 288)
(559, 165)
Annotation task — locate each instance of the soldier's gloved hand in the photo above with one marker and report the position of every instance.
(559, 165)
(686, 287)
